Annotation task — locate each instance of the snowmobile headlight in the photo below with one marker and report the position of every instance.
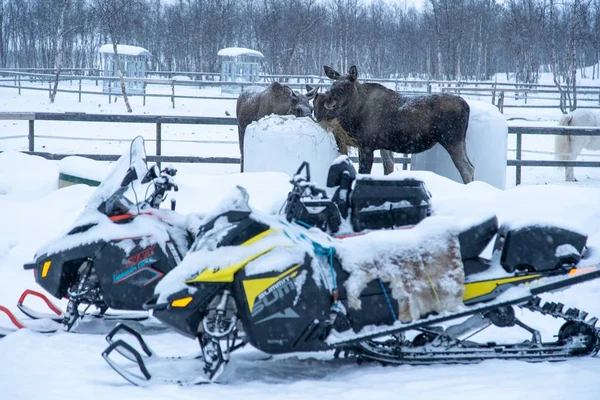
(181, 303)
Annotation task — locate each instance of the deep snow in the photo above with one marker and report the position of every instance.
(68, 366)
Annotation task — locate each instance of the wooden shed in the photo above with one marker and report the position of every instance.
(239, 65)
(132, 61)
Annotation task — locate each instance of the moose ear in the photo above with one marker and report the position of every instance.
(289, 91)
(331, 73)
(311, 92)
(353, 73)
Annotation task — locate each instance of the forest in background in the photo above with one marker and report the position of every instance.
(445, 39)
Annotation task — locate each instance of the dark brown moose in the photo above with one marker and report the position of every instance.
(321, 115)
(255, 103)
(379, 118)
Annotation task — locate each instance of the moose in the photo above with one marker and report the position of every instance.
(387, 157)
(255, 103)
(379, 118)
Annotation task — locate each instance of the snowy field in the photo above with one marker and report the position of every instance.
(68, 366)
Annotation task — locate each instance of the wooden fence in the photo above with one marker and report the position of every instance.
(159, 121)
(498, 93)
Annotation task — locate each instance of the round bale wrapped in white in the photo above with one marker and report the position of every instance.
(486, 147)
(280, 143)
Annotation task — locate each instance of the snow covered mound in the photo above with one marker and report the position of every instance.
(281, 143)
(486, 147)
(26, 177)
(422, 265)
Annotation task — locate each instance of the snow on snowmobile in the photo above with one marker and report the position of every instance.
(403, 296)
(114, 255)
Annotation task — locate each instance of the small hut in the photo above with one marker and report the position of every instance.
(239, 65)
(132, 61)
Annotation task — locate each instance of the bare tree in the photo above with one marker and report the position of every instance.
(60, 53)
(116, 17)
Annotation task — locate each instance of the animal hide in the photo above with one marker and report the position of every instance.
(423, 267)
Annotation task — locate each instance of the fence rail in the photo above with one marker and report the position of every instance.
(159, 120)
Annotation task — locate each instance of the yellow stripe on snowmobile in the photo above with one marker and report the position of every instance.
(45, 268)
(254, 287)
(225, 274)
(482, 288)
(258, 237)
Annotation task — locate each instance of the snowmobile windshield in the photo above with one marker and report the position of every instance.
(227, 215)
(122, 189)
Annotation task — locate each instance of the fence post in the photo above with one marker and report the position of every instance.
(31, 135)
(158, 140)
(518, 157)
(173, 93)
(429, 87)
(405, 164)
(19, 79)
(501, 102)
(49, 90)
(109, 91)
(80, 90)
(144, 89)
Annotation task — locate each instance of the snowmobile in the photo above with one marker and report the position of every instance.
(404, 296)
(118, 249)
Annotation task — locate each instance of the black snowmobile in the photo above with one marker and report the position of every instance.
(115, 253)
(290, 288)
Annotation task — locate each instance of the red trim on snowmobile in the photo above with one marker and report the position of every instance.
(12, 317)
(50, 305)
(121, 217)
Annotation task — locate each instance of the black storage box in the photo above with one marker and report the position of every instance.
(538, 248)
(387, 203)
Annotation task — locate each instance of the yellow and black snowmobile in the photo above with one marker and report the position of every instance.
(411, 296)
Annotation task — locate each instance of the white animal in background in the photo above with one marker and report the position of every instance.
(567, 147)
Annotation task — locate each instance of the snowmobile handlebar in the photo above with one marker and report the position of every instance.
(164, 181)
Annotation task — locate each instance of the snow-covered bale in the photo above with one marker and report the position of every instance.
(486, 147)
(422, 265)
(26, 177)
(281, 143)
(80, 170)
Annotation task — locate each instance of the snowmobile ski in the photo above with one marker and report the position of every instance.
(147, 367)
(91, 323)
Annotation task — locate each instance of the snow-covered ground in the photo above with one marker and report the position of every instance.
(68, 366)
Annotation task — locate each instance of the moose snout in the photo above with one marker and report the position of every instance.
(303, 111)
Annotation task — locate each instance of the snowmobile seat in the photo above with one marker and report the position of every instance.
(475, 238)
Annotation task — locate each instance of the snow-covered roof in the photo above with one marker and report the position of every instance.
(125, 49)
(239, 51)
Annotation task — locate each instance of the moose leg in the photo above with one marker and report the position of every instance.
(387, 158)
(365, 160)
(241, 142)
(458, 154)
